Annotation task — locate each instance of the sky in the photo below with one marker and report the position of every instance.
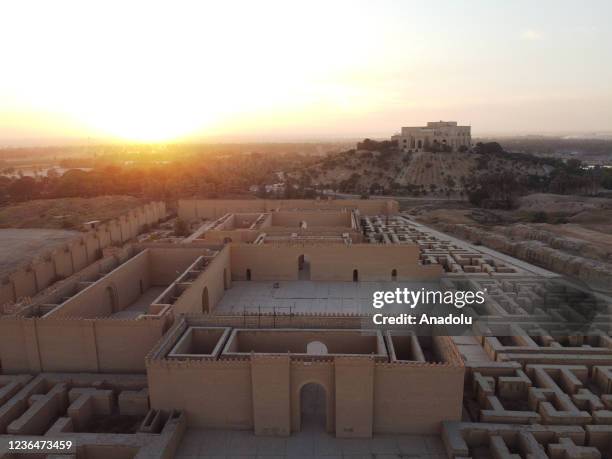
(300, 70)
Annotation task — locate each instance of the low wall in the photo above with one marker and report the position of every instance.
(193, 209)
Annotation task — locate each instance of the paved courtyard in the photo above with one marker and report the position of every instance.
(141, 305)
(307, 296)
(310, 443)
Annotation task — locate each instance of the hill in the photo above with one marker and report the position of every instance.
(384, 169)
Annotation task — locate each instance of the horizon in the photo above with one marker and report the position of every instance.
(228, 140)
(304, 72)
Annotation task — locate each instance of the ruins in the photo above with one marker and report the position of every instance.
(257, 322)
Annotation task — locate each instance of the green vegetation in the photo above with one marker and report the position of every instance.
(180, 228)
(488, 175)
(539, 216)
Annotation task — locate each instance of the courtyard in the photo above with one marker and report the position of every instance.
(310, 443)
(314, 297)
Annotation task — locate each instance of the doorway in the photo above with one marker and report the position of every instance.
(112, 298)
(313, 408)
(303, 267)
(205, 304)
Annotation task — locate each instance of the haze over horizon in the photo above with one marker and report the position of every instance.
(275, 70)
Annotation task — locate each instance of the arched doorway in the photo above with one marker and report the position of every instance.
(355, 275)
(313, 408)
(205, 305)
(303, 267)
(227, 240)
(394, 275)
(248, 274)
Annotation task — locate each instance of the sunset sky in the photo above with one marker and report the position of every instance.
(282, 70)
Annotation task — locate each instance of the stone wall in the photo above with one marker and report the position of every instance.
(214, 208)
(261, 392)
(209, 287)
(331, 262)
(77, 254)
(34, 345)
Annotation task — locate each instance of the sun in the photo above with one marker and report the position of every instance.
(167, 77)
(143, 125)
(149, 113)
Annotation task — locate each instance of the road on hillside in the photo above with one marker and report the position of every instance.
(397, 198)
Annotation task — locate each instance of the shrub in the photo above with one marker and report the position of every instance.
(180, 228)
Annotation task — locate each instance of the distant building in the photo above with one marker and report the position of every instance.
(436, 136)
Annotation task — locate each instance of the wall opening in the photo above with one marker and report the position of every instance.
(316, 348)
(394, 275)
(248, 274)
(227, 240)
(313, 408)
(113, 300)
(141, 287)
(355, 275)
(303, 267)
(225, 283)
(205, 304)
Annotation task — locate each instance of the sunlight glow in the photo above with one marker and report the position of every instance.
(138, 71)
(158, 71)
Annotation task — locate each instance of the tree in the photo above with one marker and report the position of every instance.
(497, 189)
(180, 228)
(449, 181)
(23, 189)
(488, 148)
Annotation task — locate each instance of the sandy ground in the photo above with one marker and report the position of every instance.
(562, 203)
(457, 216)
(18, 246)
(65, 213)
